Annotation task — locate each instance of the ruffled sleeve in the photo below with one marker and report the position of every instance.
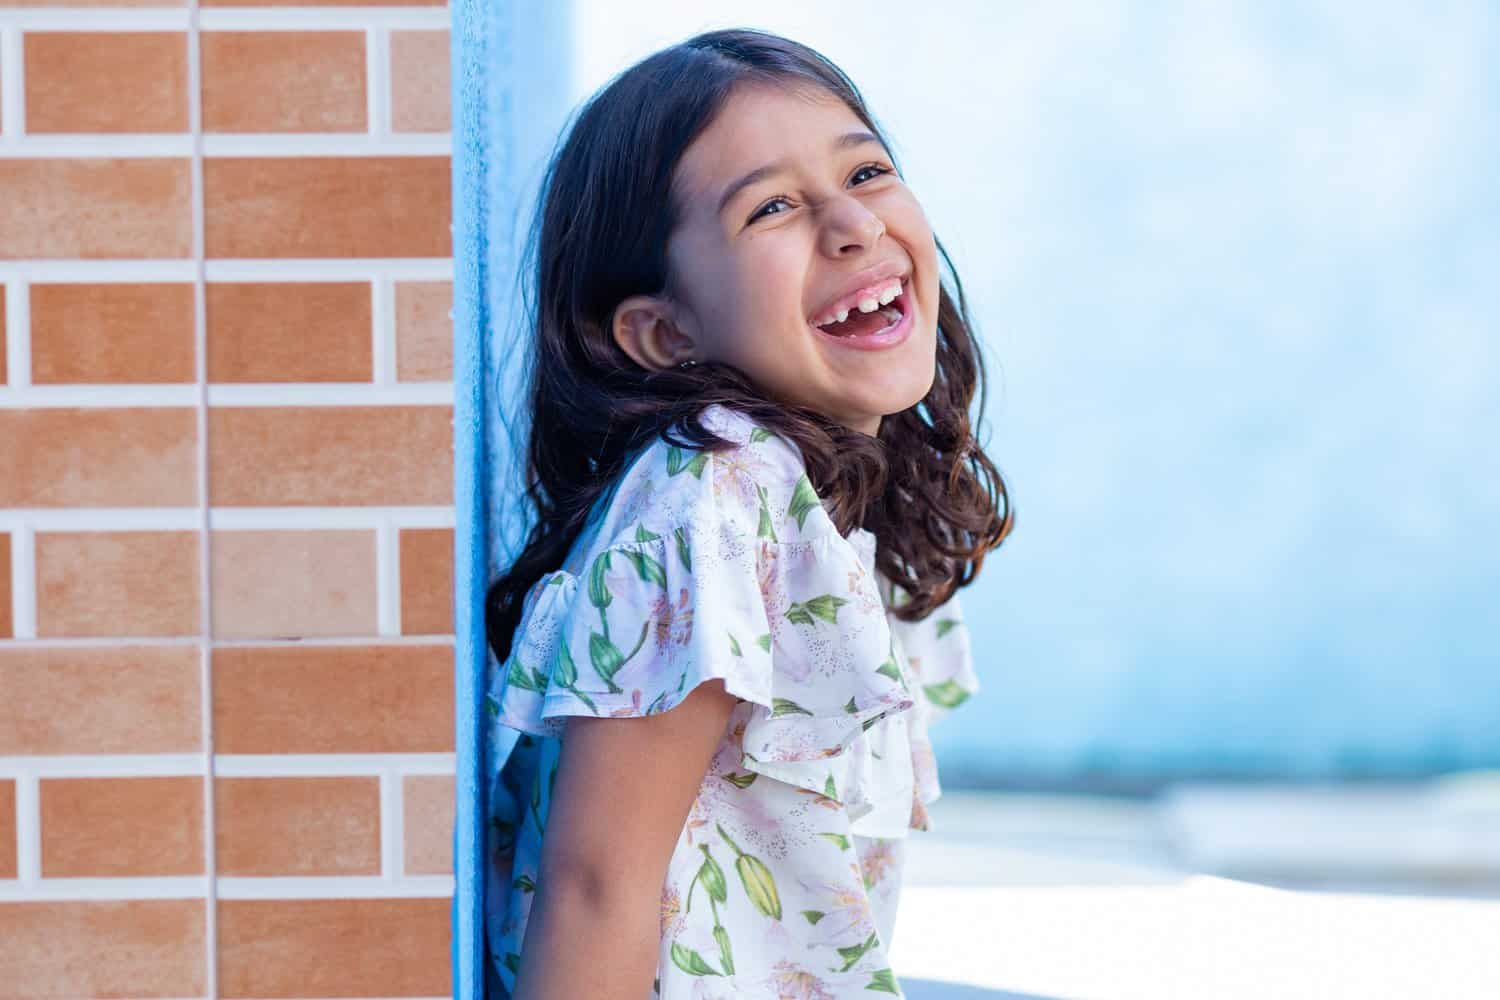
(716, 566)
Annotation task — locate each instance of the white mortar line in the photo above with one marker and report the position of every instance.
(134, 765)
(101, 272)
(387, 579)
(12, 79)
(336, 887)
(303, 18)
(376, 116)
(348, 144)
(16, 519)
(221, 394)
(23, 580)
(28, 830)
(18, 335)
(390, 824)
(205, 532)
(329, 765)
(96, 19)
(383, 330)
(111, 888)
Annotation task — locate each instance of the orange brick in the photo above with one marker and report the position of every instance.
(115, 827)
(95, 208)
(117, 583)
(299, 456)
(322, 3)
(427, 823)
(135, 457)
(327, 206)
(334, 947)
(395, 698)
(112, 333)
(8, 861)
(106, 81)
(427, 581)
(424, 331)
(421, 97)
(92, 3)
(114, 948)
(297, 826)
(7, 627)
(99, 700)
(291, 331)
(292, 584)
(284, 81)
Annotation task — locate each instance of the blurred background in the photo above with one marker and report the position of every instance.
(1233, 269)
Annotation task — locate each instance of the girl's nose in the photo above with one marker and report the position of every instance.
(851, 226)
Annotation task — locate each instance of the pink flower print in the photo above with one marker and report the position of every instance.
(673, 622)
(867, 601)
(847, 918)
(915, 662)
(793, 982)
(633, 710)
(734, 475)
(919, 817)
(876, 861)
(671, 912)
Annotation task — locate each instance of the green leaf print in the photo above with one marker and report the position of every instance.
(649, 569)
(850, 708)
(491, 706)
(677, 461)
(524, 883)
(764, 529)
(891, 670)
(712, 877)
(946, 625)
(838, 838)
(682, 550)
(565, 670)
(830, 789)
(606, 659)
(785, 706)
(690, 961)
(512, 961)
(741, 780)
(764, 641)
(756, 878)
(948, 694)
(855, 952)
(518, 677)
(599, 595)
(813, 916)
(883, 980)
(804, 500)
(722, 936)
(734, 645)
(642, 535)
(759, 434)
(825, 606)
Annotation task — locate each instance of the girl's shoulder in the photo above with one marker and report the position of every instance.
(757, 488)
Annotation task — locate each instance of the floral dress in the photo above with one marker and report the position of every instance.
(785, 878)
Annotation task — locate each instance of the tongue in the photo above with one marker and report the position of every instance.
(858, 324)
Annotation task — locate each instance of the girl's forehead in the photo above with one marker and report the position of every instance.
(761, 126)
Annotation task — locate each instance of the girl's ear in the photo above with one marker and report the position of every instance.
(646, 329)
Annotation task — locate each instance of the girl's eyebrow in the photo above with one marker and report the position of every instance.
(846, 141)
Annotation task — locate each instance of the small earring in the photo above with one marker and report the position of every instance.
(686, 364)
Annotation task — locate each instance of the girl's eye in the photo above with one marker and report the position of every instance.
(877, 168)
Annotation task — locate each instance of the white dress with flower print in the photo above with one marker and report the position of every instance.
(785, 878)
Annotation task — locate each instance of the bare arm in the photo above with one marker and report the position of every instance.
(623, 790)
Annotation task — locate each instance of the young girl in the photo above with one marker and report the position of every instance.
(757, 493)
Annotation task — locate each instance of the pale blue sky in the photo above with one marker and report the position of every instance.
(1234, 266)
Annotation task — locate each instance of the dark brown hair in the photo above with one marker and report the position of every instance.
(924, 487)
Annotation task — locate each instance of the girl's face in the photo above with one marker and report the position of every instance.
(792, 212)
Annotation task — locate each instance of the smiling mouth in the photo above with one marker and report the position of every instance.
(862, 324)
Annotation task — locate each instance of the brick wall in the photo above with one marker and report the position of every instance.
(226, 682)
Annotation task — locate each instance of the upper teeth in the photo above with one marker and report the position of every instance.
(868, 304)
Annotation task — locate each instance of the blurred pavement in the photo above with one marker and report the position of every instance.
(1207, 891)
